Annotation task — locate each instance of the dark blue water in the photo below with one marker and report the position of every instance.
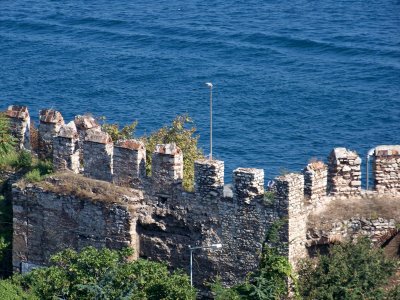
(293, 79)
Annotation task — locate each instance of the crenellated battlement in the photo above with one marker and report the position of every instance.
(170, 218)
(124, 162)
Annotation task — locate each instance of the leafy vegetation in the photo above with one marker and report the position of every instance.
(183, 134)
(270, 282)
(105, 274)
(125, 133)
(7, 141)
(12, 291)
(349, 272)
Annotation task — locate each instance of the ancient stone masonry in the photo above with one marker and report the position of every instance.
(65, 149)
(97, 156)
(209, 180)
(85, 124)
(49, 126)
(167, 166)
(248, 184)
(290, 202)
(129, 162)
(20, 125)
(344, 172)
(315, 181)
(386, 168)
(165, 219)
(46, 222)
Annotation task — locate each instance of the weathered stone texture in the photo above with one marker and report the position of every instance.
(66, 150)
(129, 162)
(386, 169)
(248, 184)
(85, 124)
(167, 166)
(20, 125)
(344, 172)
(49, 126)
(97, 156)
(209, 180)
(45, 223)
(290, 202)
(315, 181)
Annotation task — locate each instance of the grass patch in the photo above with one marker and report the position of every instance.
(386, 207)
(86, 188)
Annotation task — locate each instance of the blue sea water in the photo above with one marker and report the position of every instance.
(292, 79)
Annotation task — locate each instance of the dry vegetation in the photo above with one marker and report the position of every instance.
(87, 188)
(370, 207)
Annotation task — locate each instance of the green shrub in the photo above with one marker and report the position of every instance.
(350, 271)
(106, 274)
(9, 160)
(7, 141)
(11, 291)
(33, 176)
(182, 134)
(24, 159)
(45, 167)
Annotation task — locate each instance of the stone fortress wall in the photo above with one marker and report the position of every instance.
(163, 219)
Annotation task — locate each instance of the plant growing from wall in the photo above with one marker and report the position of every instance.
(182, 133)
(270, 282)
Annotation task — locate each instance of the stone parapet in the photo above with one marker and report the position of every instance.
(344, 172)
(386, 169)
(248, 184)
(290, 209)
(167, 166)
(129, 162)
(209, 179)
(315, 180)
(98, 156)
(20, 125)
(49, 126)
(66, 150)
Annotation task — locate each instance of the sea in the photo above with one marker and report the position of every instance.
(291, 79)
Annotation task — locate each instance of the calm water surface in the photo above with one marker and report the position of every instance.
(293, 79)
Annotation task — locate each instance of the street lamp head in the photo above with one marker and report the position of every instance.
(209, 84)
(216, 246)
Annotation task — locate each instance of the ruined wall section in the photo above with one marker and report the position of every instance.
(97, 156)
(49, 126)
(386, 169)
(344, 172)
(291, 212)
(46, 222)
(315, 181)
(129, 162)
(66, 150)
(20, 125)
(166, 168)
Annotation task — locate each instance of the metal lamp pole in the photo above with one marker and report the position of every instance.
(213, 246)
(210, 85)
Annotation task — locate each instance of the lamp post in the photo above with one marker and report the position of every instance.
(210, 85)
(212, 246)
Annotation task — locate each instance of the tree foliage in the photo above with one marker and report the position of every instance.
(12, 291)
(181, 132)
(349, 272)
(106, 274)
(125, 133)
